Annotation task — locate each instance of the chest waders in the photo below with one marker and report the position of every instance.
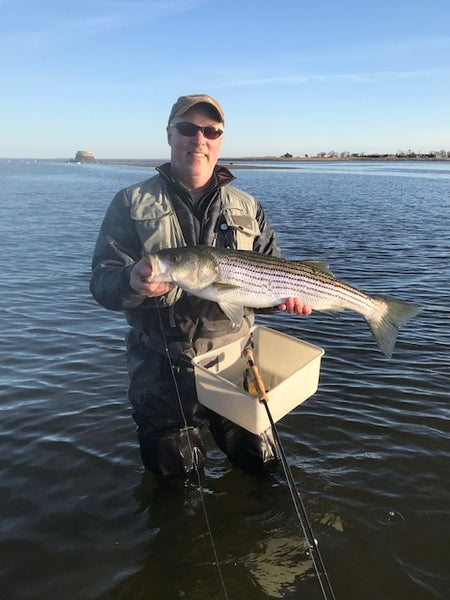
(162, 391)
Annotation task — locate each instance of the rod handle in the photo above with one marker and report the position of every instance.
(257, 379)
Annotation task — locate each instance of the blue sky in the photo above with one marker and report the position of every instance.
(292, 76)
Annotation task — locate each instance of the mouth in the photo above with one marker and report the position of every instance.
(195, 154)
(155, 265)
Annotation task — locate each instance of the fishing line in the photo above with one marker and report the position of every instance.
(194, 462)
(311, 542)
(302, 515)
(299, 506)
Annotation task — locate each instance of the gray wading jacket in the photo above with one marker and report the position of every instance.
(160, 213)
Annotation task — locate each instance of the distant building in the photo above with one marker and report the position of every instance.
(84, 156)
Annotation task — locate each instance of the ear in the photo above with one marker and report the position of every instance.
(169, 135)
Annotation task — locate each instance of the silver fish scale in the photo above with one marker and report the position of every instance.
(260, 275)
(238, 278)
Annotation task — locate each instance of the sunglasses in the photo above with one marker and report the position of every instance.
(190, 129)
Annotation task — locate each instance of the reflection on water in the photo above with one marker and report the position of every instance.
(80, 518)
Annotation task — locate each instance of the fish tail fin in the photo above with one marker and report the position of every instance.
(385, 321)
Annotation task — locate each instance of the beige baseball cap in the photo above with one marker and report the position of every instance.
(184, 103)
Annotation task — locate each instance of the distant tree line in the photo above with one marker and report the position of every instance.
(435, 154)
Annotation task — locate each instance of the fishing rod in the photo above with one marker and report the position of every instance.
(259, 390)
(199, 486)
(312, 545)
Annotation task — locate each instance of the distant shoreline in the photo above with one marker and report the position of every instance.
(284, 162)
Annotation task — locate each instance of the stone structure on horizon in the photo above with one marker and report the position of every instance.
(84, 156)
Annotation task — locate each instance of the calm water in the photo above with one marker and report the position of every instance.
(370, 451)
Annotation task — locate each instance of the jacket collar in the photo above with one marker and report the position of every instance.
(221, 175)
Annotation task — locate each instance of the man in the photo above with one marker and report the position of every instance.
(189, 202)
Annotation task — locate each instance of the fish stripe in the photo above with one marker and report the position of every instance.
(237, 278)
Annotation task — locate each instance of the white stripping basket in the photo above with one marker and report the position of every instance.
(289, 368)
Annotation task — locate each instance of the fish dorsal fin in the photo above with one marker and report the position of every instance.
(319, 265)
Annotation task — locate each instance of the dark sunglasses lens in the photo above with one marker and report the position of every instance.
(212, 133)
(187, 129)
(190, 129)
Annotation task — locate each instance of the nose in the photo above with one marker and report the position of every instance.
(199, 136)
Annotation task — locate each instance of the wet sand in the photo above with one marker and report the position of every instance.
(238, 164)
(258, 162)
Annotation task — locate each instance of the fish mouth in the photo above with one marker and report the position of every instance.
(158, 273)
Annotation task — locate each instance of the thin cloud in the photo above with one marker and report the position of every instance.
(357, 53)
(366, 77)
(99, 17)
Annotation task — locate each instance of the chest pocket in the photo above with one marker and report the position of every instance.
(238, 230)
(239, 227)
(156, 223)
(158, 227)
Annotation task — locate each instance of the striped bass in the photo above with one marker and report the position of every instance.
(238, 278)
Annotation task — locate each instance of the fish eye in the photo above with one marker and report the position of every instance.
(176, 258)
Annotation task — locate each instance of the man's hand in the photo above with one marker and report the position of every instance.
(140, 284)
(296, 306)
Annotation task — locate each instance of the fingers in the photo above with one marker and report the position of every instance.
(157, 288)
(296, 306)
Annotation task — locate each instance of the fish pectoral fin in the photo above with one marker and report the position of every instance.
(235, 312)
(219, 285)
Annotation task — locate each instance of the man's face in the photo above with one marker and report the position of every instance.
(193, 158)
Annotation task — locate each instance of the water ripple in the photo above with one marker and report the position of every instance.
(369, 451)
